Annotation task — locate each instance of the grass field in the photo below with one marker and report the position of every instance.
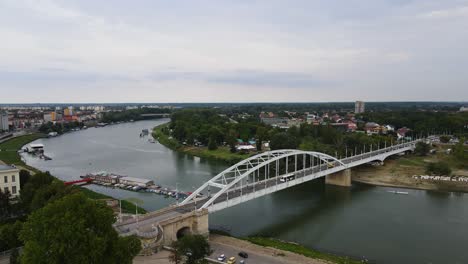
(222, 153)
(299, 249)
(9, 149)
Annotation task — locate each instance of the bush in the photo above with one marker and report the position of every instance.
(438, 168)
(422, 149)
(444, 139)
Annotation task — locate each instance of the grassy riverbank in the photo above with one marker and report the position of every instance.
(220, 154)
(9, 155)
(9, 149)
(399, 172)
(299, 249)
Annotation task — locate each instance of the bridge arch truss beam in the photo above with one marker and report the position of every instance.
(229, 178)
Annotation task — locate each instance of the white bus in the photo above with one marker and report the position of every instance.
(287, 177)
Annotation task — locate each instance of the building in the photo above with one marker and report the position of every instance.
(4, 121)
(50, 117)
(464, 109)
(9, 180)
(372, 128)
(136, 181)
(359, 107)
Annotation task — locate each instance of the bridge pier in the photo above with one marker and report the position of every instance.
(195, 223)
(341, 178)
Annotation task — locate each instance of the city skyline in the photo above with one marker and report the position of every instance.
(233, 51)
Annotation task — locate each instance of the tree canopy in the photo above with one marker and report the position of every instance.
(192, 248)
(75, 229)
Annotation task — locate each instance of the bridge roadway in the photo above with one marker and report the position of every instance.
(147, 222)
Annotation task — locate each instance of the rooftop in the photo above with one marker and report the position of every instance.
(6, 167)
(135, 179)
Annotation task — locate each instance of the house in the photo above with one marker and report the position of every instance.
(401, 132)
(372, 128)
(9, 180)
(351, 125)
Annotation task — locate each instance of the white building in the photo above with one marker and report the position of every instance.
(359, 107)
(4, 121)
(464, 109)
(136, 181)
(9, 180)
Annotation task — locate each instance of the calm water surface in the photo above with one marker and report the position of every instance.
(422, 227)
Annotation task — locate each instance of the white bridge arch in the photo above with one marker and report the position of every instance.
(273, 171)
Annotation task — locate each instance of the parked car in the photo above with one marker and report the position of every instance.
(221, 257)
(243, 254)
(231, 260)
(242, 261)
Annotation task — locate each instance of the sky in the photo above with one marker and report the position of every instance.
(56, 51)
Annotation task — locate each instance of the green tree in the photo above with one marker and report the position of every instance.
(444, 139)
(212, 144)
(460, 152)
(194, 247)
(48, 193)
(24, 175)
(422, 149)
(438, 168)
(283, 141)
(5, 205)
(9, 235)
(35, 183)
(75, 229)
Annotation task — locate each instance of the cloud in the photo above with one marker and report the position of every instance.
(162, 50)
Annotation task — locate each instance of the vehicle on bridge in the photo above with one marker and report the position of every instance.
(287, 177)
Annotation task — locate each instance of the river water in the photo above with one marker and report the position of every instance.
(421, 227)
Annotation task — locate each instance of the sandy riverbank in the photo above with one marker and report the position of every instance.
(394, 174)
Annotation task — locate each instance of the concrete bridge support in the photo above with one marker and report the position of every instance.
(341, 178)
(195, 223)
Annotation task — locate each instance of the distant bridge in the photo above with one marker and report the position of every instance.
(251, 178)
(155, 115)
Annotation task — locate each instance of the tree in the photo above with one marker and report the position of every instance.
(75, 229)
(5, 205)
(212, 144)
(194, 247)
(283, 141)
(438, 168)
(24, 175)
(422, 149)
(444, 139)
(9, 234)
(460, 152)
(35, 183)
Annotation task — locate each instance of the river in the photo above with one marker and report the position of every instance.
(421, 227)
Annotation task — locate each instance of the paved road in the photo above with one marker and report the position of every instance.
(231, 251)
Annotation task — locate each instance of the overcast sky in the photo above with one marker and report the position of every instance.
(233, 51)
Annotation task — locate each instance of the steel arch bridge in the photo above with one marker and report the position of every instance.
(272, 171)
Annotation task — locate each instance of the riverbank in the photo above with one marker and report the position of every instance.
(399, 173)
(221, 154)
(9, 150)
(275, 250)
(9, 155)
